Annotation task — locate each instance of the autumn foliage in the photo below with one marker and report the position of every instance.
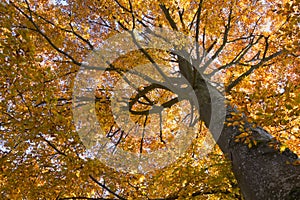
(250, 50)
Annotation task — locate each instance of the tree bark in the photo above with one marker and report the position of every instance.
(262, 172)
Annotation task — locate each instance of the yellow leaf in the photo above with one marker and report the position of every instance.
(250, 145)
(255, 142)
(282, 148)
(142, 178)
(78, 173)
(236, 123)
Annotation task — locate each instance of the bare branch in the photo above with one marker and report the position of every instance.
(180, 13)
(198, 28)
(238, 57)
(252, 68)
(44, 35)
(168, 17)
(225, 39)
(52, 145)
(106, 188)
(143, 134)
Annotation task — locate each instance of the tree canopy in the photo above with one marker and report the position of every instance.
(247, 50)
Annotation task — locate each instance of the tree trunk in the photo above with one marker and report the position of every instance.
(262, 172)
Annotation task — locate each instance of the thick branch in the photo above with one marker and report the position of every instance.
(168, 17)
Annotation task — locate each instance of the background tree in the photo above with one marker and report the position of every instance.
(251, 46)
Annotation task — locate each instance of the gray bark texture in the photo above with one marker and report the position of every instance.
(262, 172)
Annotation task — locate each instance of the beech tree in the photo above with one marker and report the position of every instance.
(227, 71)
